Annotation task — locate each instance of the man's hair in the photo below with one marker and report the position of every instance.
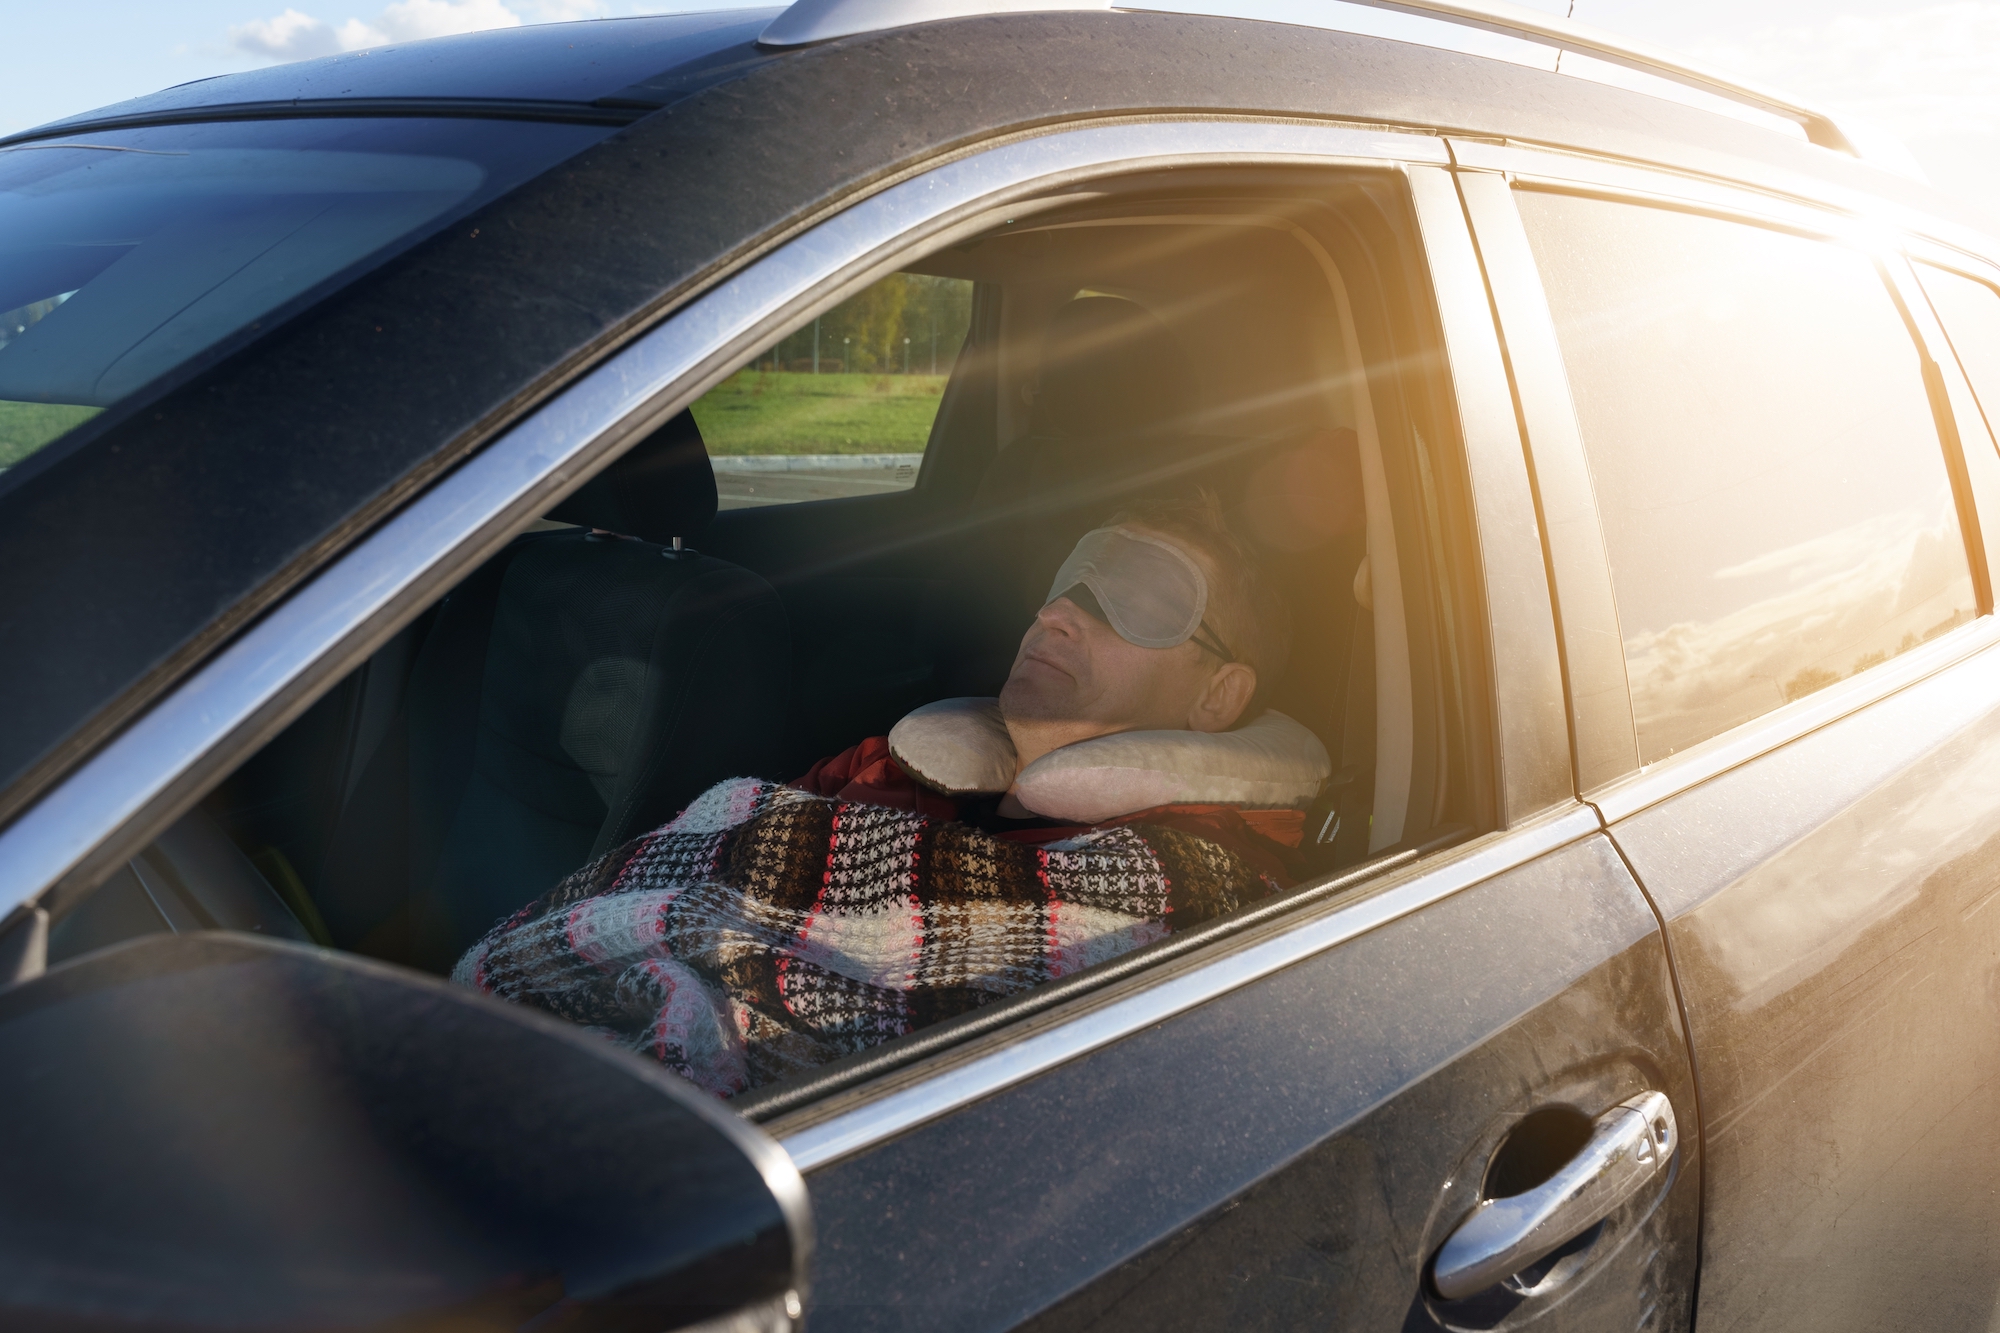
(1247, 611)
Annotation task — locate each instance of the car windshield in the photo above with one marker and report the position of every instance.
(126, 255)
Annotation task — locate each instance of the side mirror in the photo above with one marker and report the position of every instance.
(225, 1131)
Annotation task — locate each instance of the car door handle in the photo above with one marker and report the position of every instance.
(1627, 1147)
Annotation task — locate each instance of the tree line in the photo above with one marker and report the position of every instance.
(907, 321)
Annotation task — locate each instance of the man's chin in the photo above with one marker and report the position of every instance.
(1031, 701)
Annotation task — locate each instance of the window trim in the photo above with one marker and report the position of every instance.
(161, 765)
(1530, 727)
(1597, 690)
(1918, 297)
(1750, 740)
(1787, 199)
(79, 830)
(1947, 386)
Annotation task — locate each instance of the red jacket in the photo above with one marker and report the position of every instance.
(868, 774)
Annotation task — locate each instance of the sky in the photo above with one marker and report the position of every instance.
(1923, 72)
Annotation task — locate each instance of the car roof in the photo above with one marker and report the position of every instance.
(596, 62)
(615, 70)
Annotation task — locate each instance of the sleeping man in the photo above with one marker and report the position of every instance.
(1107, 798)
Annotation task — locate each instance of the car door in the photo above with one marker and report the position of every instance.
(1284, 1125)
(1284, 1128)
(1282, 1133)
(1767, 550)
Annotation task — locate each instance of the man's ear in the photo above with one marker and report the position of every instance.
(1223, 697)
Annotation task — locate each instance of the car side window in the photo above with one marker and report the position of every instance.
(1970, 313)
(842, 406)
(1180, 485)
(1774, 496)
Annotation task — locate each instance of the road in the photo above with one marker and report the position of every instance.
(747, 481)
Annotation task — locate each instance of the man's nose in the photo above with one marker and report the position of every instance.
(1062, 615)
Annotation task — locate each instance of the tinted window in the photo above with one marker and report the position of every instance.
(1128, 362)
(1773, 493)
(126, 254)
(843, 406)
(1970, 312)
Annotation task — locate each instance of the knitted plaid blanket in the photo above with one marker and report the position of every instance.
(766, 930)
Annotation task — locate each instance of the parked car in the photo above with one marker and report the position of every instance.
(427, 468)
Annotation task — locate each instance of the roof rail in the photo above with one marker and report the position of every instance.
(1513, 20)
(810, 21)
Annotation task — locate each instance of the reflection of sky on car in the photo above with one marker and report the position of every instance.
(1797, 919)
(1747, 473)
(175, 248)
(131, 252)
(1763, 451)
(1845, 601)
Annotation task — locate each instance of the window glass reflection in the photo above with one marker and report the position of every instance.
(1773, 493)
(125, 255)
(1970, 312)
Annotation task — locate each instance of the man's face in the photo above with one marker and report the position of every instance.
(1075, 678)
(1073, 669)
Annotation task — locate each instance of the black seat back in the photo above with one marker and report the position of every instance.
(1116, 416)
(1114, 392)
(576, 692)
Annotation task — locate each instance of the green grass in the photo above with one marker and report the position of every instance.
(26, 427)
(766, 412)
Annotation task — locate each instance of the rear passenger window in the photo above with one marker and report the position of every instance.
(1970, 313)
(1773, 491)
(843, 406)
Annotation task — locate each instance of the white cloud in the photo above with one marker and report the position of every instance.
(412, 20)
(293, 35)
(564, 11)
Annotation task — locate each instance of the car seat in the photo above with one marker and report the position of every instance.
(1114, 403)
(575, 692)
(1117, 416)
(1113, 391)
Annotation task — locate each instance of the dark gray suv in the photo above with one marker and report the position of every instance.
(429, 468)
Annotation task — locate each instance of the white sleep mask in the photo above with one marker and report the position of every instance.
(1149, 590)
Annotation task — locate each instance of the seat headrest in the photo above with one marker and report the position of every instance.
(1304, 495)
(1111, 369)
(661, 488)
